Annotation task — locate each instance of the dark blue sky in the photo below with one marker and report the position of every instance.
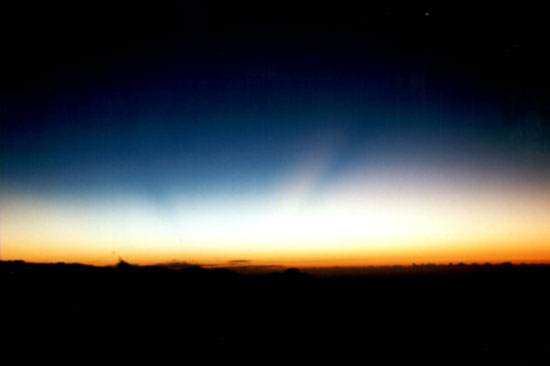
(208, 99)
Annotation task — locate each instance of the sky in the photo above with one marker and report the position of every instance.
(349, 135)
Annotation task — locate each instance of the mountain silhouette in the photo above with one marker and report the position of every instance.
(425, 313)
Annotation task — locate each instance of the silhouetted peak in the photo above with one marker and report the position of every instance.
(123, 264)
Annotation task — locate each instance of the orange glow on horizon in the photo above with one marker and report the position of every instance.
(363, 221)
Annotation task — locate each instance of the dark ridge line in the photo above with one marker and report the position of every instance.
(266, 270)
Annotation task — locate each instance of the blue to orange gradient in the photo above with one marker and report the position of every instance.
(303, 150)
(383, 216)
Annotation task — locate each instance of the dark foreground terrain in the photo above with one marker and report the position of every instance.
(491, 314)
